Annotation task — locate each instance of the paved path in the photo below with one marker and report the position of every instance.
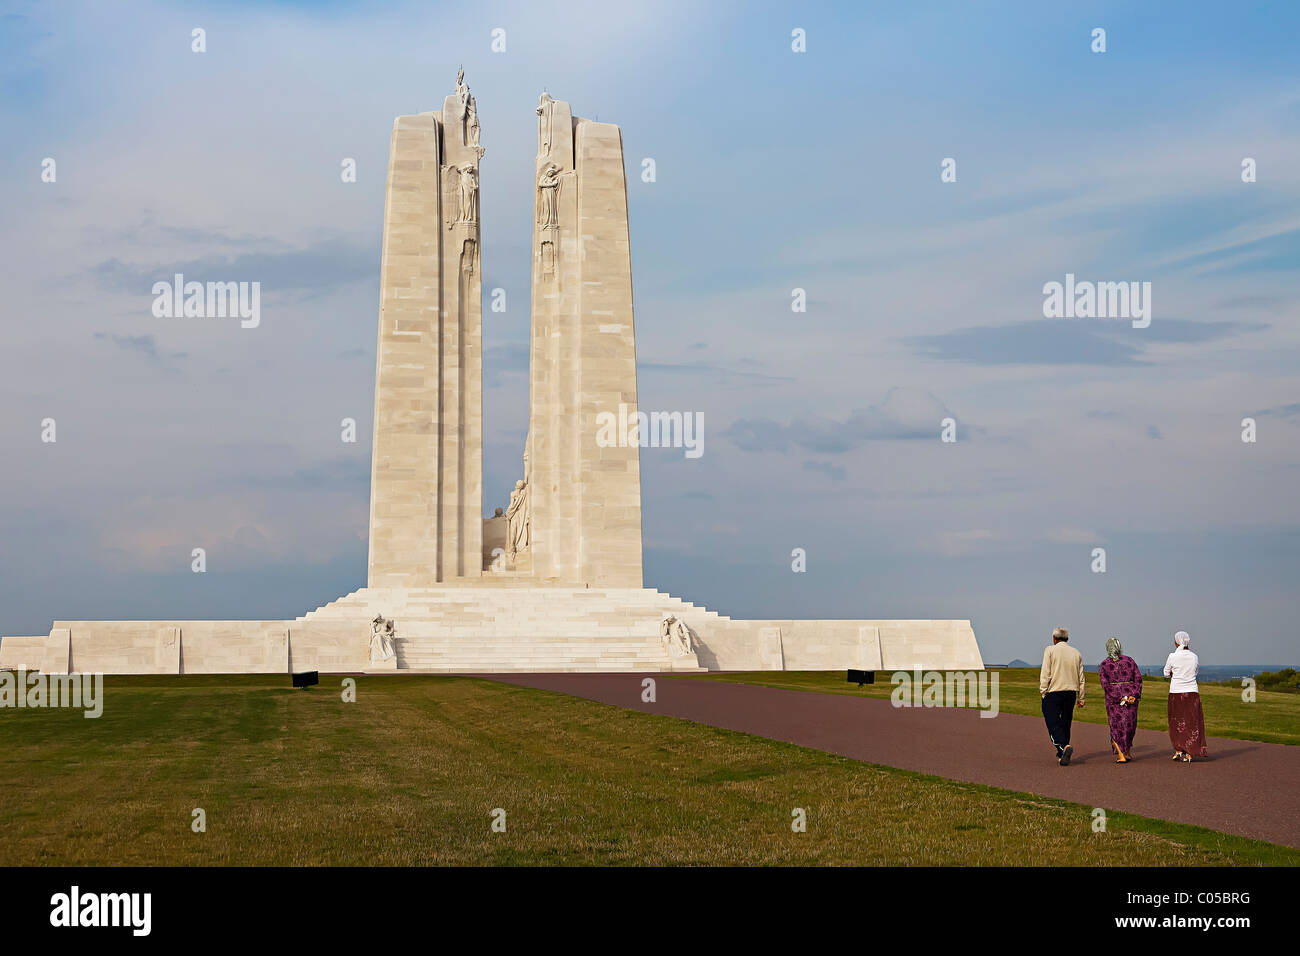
(1248, 788)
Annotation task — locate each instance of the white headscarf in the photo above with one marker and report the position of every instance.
(1183, 639)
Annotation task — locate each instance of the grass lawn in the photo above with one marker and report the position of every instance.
(410, 773)
(1274, 717)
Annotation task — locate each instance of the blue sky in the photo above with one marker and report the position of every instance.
(775, 170)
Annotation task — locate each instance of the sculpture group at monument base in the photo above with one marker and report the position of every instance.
(494, 627)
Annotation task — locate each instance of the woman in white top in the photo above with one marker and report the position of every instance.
(1186, 720)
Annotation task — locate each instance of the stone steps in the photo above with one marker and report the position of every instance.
(512, 608)
(537, 658)
(490, 667)
(537, 654)
(459, 629)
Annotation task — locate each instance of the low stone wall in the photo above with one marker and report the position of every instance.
(188, 647)
(23, 653)
(329, 647)
(340, 642)
(837, 645)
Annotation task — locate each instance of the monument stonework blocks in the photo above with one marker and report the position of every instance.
(57, 656)
(585, 504)
(426, 494)
(609, 475)
(167, 657)
(554, 583)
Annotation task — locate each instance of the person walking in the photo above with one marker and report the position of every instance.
(1186, 719)
(1121, 687)
(1060, 683)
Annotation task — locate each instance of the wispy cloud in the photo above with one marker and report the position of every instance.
(319, 267)
(143, 345)
(828, 468)
(905, 414)
(1291, 410)
(1070, 341)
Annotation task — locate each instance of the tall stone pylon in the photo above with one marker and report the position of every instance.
(426, 487)
(584, 492)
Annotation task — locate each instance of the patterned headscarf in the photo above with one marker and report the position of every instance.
(1183, 639)
(1113, 648)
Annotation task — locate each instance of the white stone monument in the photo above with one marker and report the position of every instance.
(552, 581)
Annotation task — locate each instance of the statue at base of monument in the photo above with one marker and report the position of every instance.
(382, 651)
(517, 535)
(676, 637)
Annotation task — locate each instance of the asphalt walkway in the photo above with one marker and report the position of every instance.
(1244, 787)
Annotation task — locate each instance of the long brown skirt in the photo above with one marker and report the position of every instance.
(1187, 724)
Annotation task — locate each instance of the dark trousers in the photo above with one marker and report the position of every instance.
(1058, 711)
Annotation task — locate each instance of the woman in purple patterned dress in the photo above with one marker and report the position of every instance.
(1121, 685)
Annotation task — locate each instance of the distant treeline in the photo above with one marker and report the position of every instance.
(1287, 680)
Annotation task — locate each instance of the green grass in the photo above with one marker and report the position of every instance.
(1272, 717)
(410, 773)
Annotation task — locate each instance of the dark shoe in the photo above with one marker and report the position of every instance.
(1065, 756)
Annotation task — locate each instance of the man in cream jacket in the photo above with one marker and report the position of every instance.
(1060, 682)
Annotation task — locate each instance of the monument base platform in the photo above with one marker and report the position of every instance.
(492, 626)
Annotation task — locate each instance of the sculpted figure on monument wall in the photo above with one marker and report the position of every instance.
(517, 531)
(469, 131)
(471, 123)
(381, 640)
(468, 193)
(548, 188)
(545, 108)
